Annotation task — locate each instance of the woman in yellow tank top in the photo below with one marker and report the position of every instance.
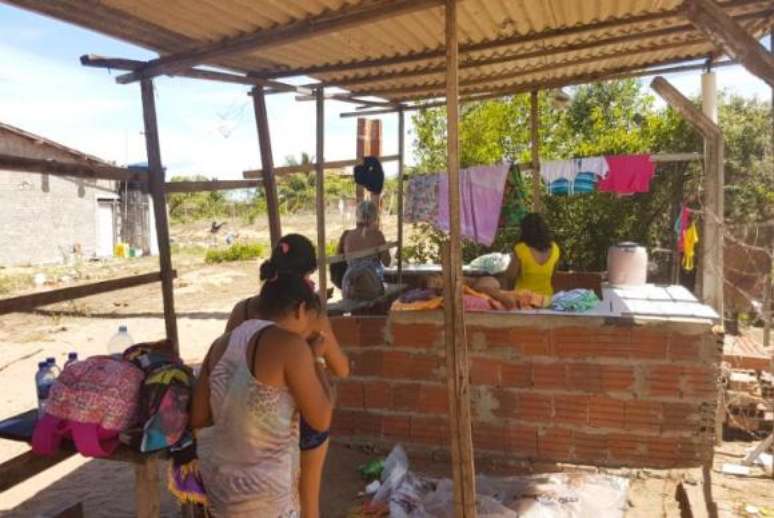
(534, 257)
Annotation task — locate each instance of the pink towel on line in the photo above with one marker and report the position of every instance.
(628, 174)
(482, 198)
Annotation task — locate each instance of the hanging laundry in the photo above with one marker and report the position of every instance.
(422, 199)
(628, 174)
(481, 190)
(691, 238)
(681, 225)
(514, 199)
(576, 176)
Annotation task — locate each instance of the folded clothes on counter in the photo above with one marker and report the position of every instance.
(577, 301)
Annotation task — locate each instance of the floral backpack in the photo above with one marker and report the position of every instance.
(165, 397)
(90, 403)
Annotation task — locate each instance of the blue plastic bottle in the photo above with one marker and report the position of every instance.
(44, 378)
(51, 362)
(71, 358)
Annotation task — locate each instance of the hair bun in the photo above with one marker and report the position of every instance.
(268, 270)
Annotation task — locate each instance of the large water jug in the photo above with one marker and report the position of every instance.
(120, 342)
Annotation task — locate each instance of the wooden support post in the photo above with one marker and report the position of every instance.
(534, 120)
(320, 191)
(267, 164)
(156, 182)
(401, 187)
(457, 370)
(769, 286)
(712, 207)
(360, 151)
(731, 37)
(146, 491)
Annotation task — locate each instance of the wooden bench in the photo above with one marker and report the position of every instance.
(28, 464)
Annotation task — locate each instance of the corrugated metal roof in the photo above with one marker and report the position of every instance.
(505, 44)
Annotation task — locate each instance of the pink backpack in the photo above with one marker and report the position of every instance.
(91, 402)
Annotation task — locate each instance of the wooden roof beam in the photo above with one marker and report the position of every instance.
(727, 34)
(72, 169)
(92, 60)
(346, 18)
(511, 58)
(440, 53)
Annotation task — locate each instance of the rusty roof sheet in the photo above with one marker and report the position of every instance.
(506, 45)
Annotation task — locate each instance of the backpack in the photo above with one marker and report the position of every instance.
(90, 402)
(165, 397)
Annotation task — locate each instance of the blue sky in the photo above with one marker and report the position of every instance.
(205, 127)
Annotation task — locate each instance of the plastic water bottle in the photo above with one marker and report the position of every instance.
(44, 378)
(71, 358)
(51, 362)
(120, 342)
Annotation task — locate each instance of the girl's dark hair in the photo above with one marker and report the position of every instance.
(283, 292)
(293, 254)
(535, 232)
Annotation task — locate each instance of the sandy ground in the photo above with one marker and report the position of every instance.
(204, 296)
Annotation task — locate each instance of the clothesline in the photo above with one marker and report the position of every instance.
(659, 158)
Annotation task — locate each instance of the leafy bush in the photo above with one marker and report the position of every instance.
(237, 252)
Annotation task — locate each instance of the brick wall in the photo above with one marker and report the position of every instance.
(558, 389)
(44, 214)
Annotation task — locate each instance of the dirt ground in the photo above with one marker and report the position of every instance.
(204, 295)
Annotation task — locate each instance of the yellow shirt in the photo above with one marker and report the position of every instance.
(534, 276)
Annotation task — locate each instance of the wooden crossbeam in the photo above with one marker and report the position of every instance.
(73, 169)
(35, 300)
(92, 60)
(345, 18)
(511, 58)
(340, 258)
(305, 168)
(708, 16)
(490, 45)
(18, 469)
(210, 185)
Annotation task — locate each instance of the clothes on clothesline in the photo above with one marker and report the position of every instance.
(628, 174)
(481, 190)
(620, 174)
(515, 205)
(690, 240)
(681, 225)
(421, 204)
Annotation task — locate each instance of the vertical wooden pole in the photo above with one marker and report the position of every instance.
(320, 191)
(401, 152)
(156, 182)
(534, 120)
(267, 164)
(454, 319)
(768, 286)
(147, 496)
(360, 152)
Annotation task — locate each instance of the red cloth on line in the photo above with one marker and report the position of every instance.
(628, 174)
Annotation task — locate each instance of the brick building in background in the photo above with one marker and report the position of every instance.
(54, 219)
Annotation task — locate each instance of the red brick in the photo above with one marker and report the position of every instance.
(405, 396)
(372, 331)
(347, 331)
(433, 399)
(492, 336)
(515, 375)
(554, 444)
(429, 430)
(349, 394)
(663, 451)
(643, 416)
(484, 371)
(396, 365)
(549, 375)
(685, 347)
(367, 423)
(594, 342)
(377, 395)
(589, 448)
(507, 404)
(489, 437)
(700, 382)
(617, 378)
(534, 407)
(628, 449)
(521, 441)
(415, 336)
(605, 412)
(425, 367)
(681, 417)
(664, 380)
(532, 342)
(571, 409)
(366, 363)
(343, 422)
(584, 377)
(649, 344)
(396, 427)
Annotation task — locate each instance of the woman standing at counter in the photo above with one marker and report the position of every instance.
(534, 257)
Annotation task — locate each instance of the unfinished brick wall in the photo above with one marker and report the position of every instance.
(544, 388)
